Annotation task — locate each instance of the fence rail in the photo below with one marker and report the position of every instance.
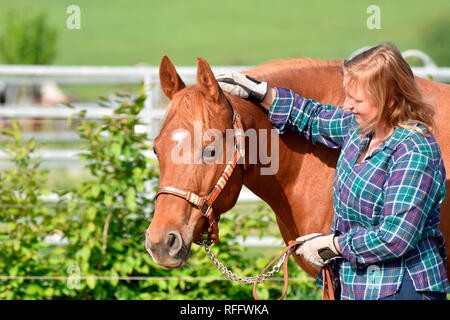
(137, 278)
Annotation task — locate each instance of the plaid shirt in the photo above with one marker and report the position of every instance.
(386, 208)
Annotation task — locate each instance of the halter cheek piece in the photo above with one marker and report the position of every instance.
(205, 204)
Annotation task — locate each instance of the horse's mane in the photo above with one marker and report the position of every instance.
(190, 104)
(290, 67)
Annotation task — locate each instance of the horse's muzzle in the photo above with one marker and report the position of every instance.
(169, 251)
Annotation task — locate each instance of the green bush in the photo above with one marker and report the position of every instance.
(27, 38)
(25, 221)
(103, 221)
(109, 213)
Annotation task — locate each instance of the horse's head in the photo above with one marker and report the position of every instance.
(193, 148)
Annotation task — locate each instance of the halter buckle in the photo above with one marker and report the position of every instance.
(209, 207)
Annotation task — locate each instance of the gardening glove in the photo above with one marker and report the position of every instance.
(243, 86)
(318, 249)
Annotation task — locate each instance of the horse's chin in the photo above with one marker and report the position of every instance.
(172, 264)
(169, 262)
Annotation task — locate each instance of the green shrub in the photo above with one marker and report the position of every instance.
(111, 211)
(25, 221)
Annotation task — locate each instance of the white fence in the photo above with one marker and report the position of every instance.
(25, 74)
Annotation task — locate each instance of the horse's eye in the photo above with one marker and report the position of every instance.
(154, 151)
(209, 152)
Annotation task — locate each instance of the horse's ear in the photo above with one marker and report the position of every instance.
(207, 81)
(170, 81)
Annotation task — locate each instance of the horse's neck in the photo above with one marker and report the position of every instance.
(312, 78)
(280, 188)
(272, 188)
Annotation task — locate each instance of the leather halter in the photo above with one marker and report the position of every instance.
(205, 204)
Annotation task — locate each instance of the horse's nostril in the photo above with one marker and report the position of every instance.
(174, 243)
(171, 240)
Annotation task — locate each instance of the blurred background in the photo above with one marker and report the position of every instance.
(232, 32)
(57, 56)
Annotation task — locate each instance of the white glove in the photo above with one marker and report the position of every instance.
(318, 249)
(243, 86)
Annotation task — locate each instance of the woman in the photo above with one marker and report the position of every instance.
(390, 178)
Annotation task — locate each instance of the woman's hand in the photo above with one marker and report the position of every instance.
(246, 87)
(318, 249)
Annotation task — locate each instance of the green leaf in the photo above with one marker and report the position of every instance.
(84, 253)
(108, 200)
(120, 138)
(140, 187)
(116, 149)
(82, 114)
(69, 122)
(32, 144)
(21, 154)
(90, 213)
(90, 227)
(17, 135)
(45, 192)
(91, 281)
(131, 199)
(13, 271)
(95, 190)
(114, 275)
(69, 105)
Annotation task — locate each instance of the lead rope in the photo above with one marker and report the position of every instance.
(328, 280)
(327, 289)
(232, 276)
(286, 252)
(328, 284)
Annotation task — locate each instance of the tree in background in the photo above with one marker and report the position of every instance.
(27, 38)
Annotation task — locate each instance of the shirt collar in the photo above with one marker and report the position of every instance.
(394, 139)
(399, 135)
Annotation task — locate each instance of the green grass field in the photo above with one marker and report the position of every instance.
(229, 32)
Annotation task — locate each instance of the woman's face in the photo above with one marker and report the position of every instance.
(357, 102)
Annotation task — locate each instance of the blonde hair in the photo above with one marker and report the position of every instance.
(388, 81)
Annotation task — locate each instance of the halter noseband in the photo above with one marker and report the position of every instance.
(204, 204)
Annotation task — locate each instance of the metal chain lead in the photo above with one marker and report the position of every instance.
(232, 276)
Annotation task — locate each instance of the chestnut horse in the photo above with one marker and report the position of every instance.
(299, 192)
